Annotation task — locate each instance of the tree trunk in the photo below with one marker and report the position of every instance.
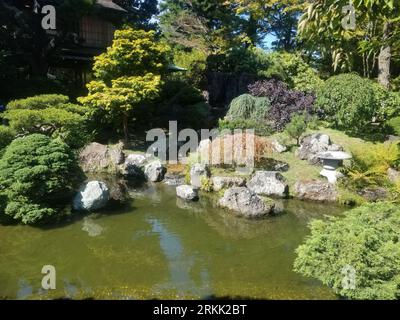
(384, 59)
(125, 126)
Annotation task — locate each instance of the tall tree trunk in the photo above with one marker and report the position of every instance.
(384, 59)
(125, 126)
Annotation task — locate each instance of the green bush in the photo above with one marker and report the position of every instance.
(38, 176)
(347, 101)
(260, 128)
(247, 107)
(296, 127)
(394, 124)
(366, 239)
(6, 136)
(52, 115)
(39, 102)
(388, 103)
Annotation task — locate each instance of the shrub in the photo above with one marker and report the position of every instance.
(37, 175)
(293, 70)
(51, 115)
(6, 136)
(348, 102)
(195, 62)
(394, 125)
(387, 103)
(260, 127)
(39, 102)
(366, 239)
(248, 107)
(296, 127)
(284, 102)
(369, 165)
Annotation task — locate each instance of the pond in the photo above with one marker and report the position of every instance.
(161, 247)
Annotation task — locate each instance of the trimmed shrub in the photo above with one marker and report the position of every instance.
(38, 175)
(366, 239)
(6, 136)
(348, 102)
(284, 102)
(51, 115)
(260, 127)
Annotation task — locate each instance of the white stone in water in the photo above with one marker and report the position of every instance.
(187, 192)
(93, 195)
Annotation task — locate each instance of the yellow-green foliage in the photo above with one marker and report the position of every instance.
(128, 74)
(370, 165)
(206, 184)
(195, 62)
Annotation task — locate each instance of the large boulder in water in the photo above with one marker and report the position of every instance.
(220, 183)
(93, 195)
(268, 183)
(245, 202)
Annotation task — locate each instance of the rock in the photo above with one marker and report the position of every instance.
(155, 171)
(197, 172)
(313, 144)
(374, 194)
(91, 196)
(315, 190)
(269, 164)
(245, 202)
(187, 192)
(392, 138)
(97, 157)
(278, 147)
(220, 183)
(174, 179)
(134, 165)
(116, 153)
(393, 175)
(268, 183)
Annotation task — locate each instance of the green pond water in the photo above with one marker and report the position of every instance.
(161, 247)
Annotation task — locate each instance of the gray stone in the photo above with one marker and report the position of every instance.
(93, 195)
(245, 202)
(268, 183)
(187, 192)
(315, 190)
(278, 147)
(374, 194)
(197, 172)
(134, 165)
(220, 183)
(174, 179)
(155, 171)
(96, 158)
(393, 175)
(314, 144)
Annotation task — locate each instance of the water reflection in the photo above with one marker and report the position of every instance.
(180, 264)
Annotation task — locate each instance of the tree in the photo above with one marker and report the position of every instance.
(372, 37)
(37, 176)
(296, 127)
(128, 74)
(140, 13)
(357, 255)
